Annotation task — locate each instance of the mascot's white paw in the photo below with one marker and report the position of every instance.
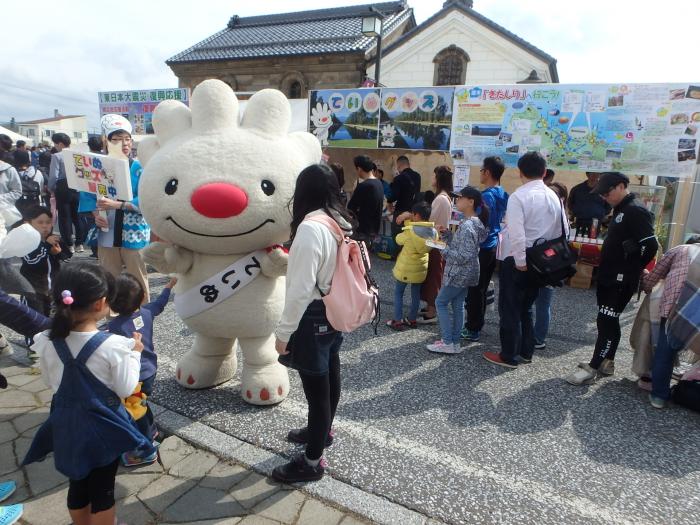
(274, 264)
(266, 385)
(196, 371)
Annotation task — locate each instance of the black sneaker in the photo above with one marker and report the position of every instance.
(301, 435)
(298, 470)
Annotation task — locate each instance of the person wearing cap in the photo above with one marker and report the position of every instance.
(586, 205)
(119, 247)
(628, 248)
(66, 198)
(534, 212)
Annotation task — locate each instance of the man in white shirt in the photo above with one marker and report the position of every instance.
(534, 213)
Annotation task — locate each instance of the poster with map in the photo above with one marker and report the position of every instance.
(638, 129)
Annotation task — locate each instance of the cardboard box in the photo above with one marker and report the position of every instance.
(583, 277)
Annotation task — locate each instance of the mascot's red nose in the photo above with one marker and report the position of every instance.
(219, 200)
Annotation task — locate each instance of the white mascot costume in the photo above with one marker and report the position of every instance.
(217, 189)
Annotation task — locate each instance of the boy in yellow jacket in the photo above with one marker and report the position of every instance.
(412, 264)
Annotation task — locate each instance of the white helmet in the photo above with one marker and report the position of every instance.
(113, 122)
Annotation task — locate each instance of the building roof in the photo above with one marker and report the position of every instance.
(465, 6)
(46, 120)
(321, 31)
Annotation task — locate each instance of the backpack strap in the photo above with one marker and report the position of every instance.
(331, 224)
(92, 345)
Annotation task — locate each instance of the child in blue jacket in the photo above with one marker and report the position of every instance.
(135, 317)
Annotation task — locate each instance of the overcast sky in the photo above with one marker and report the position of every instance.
(59, 55)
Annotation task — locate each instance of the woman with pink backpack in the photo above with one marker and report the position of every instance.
(305, 339)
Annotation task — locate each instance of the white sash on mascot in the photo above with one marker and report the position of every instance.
(219, 287)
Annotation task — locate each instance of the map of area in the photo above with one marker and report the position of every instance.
(648, 129)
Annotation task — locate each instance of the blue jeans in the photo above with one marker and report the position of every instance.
(662, 367)
(398, 300)
(451, 328)
(543, 313)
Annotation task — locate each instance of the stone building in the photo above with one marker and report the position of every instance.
(325, 48)
(293, 52)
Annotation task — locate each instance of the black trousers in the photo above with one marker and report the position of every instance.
(516, 295)
(322, 395)
(612, 300)
(476, 296)
(68, 218)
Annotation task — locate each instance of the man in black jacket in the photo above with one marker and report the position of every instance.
(405, 190)
(628, 248)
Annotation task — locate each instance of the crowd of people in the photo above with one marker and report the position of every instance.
(450, 243)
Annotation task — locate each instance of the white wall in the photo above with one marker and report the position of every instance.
(69, 126)
(493, 59)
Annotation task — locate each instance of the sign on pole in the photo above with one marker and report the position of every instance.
(98, 174)
(138, 105)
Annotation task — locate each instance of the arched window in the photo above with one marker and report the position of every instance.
(294, 90)
(293, 85)
(450, 67)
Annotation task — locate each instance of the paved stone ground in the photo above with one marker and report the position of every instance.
(196, 487)
(464, 441)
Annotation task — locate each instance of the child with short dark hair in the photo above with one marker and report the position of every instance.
(411, 266)
(41, 266)
(134, 317)
(90, 372)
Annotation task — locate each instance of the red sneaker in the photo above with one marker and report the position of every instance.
(493, 357)
(396, 325)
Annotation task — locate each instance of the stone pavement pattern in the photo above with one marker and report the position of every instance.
(464, 441)
(196, 487)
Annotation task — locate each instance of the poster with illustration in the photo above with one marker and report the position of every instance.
(416, 118)
(345, 118)
(640, 129)
(98, 174)
(137, 106)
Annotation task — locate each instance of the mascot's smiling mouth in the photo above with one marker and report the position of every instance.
(207, 235)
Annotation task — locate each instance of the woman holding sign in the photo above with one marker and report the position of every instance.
(123, 232)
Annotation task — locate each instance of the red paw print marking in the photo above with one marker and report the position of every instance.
(190, 380)
(178, 374)
(264, 394)
(279, 390)
(248, 394)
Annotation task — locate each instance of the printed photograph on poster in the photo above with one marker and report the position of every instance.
(693, 92)
(416, 118)
(345, 118)
(687, 143)
(676, 94)
(137, 106)
(686, 155)
(99, 174)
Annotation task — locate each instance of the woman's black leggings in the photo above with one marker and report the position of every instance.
(322, 395)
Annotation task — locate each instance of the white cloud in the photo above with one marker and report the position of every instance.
(60, 57)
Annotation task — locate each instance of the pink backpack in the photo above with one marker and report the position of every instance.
(353, 299)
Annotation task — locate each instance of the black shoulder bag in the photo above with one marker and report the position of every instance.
(551, 262)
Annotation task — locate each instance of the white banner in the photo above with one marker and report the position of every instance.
(219, 287)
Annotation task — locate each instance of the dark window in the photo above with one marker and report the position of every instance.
(295, 90)
(450, 67)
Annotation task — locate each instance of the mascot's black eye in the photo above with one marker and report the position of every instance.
(267, 187)
(171, 186)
